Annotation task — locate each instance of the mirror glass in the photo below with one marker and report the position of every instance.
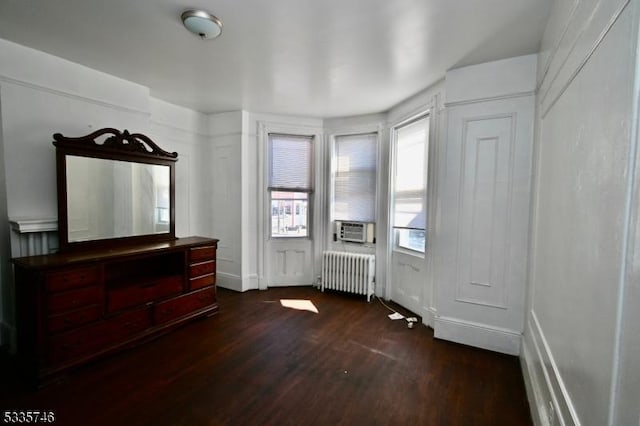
(112, 199)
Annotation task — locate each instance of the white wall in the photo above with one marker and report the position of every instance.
(227, 197)
(41, 95)
(581, 348)
(179, 129)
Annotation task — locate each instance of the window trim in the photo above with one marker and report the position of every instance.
(309, 191)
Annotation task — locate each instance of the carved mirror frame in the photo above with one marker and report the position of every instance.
(121, 146)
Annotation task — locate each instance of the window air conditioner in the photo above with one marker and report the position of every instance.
(353, 231)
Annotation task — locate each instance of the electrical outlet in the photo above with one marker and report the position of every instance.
(551, 413)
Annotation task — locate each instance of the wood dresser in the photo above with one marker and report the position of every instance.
(74, 307)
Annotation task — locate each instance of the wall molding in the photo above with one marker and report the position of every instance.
(181, 129)
(490, 98)
(73, 96)
(553, 54)
(226, 259)
(356, 129)
(551, 382)
(225, 135)
(24, 225)
(462, 179)
(537, 402)
(581, 63)
(33, 236)
(479, 302)
(479, 335)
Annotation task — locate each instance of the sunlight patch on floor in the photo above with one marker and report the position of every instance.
(299, 304)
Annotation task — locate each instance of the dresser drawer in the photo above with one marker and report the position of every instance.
(204, 281)
(73, 319)
(72, 278)
(183, 305)
(202, 268)
(124, 297)
(74, 299)
(77, 343)
(98, 336)
(129, 323)
(199, 254)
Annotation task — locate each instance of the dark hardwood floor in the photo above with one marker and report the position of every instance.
(257, 363)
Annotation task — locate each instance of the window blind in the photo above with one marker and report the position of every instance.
(410, 175)
(290, 162)
(354, 192)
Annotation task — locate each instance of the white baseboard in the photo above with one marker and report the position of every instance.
(548, 396)
(235, 282)
(537, 401)
(478, 335)
(428, 316)
(230, 281)
(250, 282)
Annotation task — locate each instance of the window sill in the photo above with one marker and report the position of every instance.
(409, 252)
(290, 237)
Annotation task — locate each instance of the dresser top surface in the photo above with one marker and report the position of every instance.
(86, 256)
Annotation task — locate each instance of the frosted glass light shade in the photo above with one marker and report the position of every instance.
(201, 23)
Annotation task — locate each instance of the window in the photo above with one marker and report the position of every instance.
(290, 184)
(411, 148)
(354, 177)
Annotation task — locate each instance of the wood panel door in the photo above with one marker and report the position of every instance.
(485, 213)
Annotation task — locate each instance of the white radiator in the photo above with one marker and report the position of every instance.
(349, 272)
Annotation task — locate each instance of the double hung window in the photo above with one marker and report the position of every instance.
(411, 147)
(354, 177)
(290, 184)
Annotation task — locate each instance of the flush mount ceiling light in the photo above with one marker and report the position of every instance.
(202, 23)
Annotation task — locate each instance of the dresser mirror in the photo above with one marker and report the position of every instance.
(113, 188)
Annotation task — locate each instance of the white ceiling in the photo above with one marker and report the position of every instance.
(317, 58)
